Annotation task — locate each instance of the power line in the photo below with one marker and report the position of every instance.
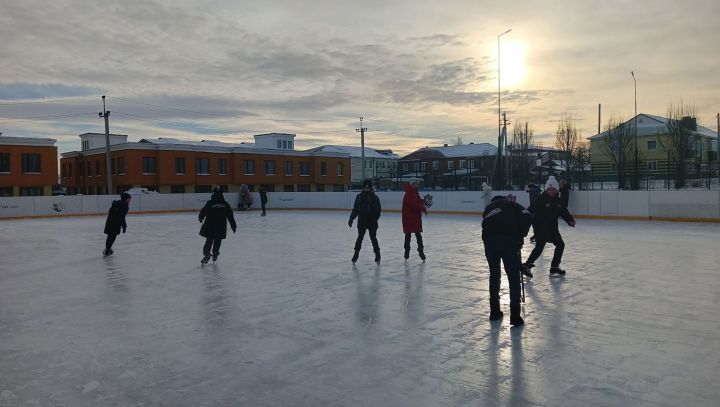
(48, 101)
(20, 119)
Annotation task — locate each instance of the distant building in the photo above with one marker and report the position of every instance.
(449, 167)
(655, 162)
(28, 166)
(169, 165)
(379, 164)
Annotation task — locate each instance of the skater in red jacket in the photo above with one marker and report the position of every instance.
(412, 209)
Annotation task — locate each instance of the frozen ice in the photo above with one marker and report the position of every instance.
(285, 319)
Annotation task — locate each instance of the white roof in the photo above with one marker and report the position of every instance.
(467, 150)
(202, 143)
(27, 141)
(651, 125)
(355, 151)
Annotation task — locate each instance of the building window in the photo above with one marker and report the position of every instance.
(269, 167)
(5, 162)
(180, 165)
(288, 168)
(323, 168)
(303, 188)
(203, 189)
(202, 166)
(338, 188)
(177, 189)
(6, 191)
(223, 166)
(423, 166)
(31, 164)
(97, 167)
(288, 188)
(304, 170)
(341, 169)
(30, 191)
(290, 145)
(320, 188)
(89, 170)
(405, 167)
(249, 167)
(471, 163)
(285, 144)
(416, 166)
(149, 165)
(652, 145)
(652, 165)
(121, 165)
(451, 165)
(435, 165)
(279, 144)
(462, 164)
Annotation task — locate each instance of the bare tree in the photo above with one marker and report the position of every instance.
(567, 137)
(457, 141)
(680, 140)
(521, 143)
(581, 160)
(618, 144)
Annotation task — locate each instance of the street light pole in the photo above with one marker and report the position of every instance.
(635, 163)
(362, 131)
(500, 153)
(108, 169)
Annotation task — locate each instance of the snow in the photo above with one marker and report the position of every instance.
(284, 318)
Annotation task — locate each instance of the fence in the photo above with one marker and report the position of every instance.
(666, 205)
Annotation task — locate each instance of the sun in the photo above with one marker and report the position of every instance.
(512, 63)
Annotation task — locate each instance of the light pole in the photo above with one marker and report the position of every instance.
(636, 181)
(499, 114)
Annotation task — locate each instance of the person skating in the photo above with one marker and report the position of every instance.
(263, 200)
(546, 210)
(244, 199)
(412, 208)
(116, 221)
(214, 216)
(504, 227)
(533, 194)
(367, 209)
(565, 193)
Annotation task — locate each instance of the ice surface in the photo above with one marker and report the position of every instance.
(284, 319)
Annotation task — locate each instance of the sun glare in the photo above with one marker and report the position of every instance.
(512, 63)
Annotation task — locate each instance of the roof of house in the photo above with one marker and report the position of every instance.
(355, 151)
(27, 141)
(651, 125)
(464, 150)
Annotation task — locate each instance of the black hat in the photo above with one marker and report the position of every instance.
(218, 189)
(367, 183)
(125, 196)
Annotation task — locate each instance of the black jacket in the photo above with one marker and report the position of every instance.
(546, 210)
(216, 214)
(263, 196)
(116, 218)
(367, 209)
(505, 219)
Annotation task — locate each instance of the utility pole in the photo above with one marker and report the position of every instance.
(636, 175)
(362, 131)
(599, 116)
(717, 158)
(106, 115)
(507, 151)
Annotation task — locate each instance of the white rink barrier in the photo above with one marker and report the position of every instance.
(663, 205)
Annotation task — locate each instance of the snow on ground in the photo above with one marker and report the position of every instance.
(285, 319)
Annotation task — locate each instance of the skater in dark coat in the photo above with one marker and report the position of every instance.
(214, 217)
(546, 210)
(263, 200)
(565, 192)
(367, 209)
(504, 227)
(412, 209)
(116, 221)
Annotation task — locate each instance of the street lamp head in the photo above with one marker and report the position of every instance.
(632, 73)
(510, 29)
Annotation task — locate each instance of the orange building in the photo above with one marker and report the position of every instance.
(28, 166)
(170, 165)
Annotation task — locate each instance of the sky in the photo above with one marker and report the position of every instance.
(421, 73)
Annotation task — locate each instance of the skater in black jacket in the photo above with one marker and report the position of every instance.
(546, 210)
(116, 221)
(504, 227)
(367, 210)
(215, 214)
(263, 200)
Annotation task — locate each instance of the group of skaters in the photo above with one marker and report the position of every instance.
(505, 225)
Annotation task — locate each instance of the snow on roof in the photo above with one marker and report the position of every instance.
(27, 141)
(466, 150)
(203, 143)
(355, 151)
(651, 125)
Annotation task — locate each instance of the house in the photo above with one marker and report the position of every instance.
(28, 166)
(465, 166)
(379, 164)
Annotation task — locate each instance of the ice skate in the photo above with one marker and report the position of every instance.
(517, 320)
(377, 257)
(557, 271)
(215, 257)
(422, 255)
(496, 315)
(406, 256)
(205, 260)
(355, 256)
(106, 252)
(525, 269)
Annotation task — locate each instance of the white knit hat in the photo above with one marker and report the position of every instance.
(552, 182)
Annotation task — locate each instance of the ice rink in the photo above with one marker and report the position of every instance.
(285, 319)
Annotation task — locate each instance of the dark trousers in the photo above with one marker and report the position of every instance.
(418, 237)
(109, 241)
(373, 238)
(214, 244)
(504, 249)
(540, 245)
(262, 204)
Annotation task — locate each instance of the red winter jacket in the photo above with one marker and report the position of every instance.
(412, 209)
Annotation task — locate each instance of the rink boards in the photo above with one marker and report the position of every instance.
(660, 205)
